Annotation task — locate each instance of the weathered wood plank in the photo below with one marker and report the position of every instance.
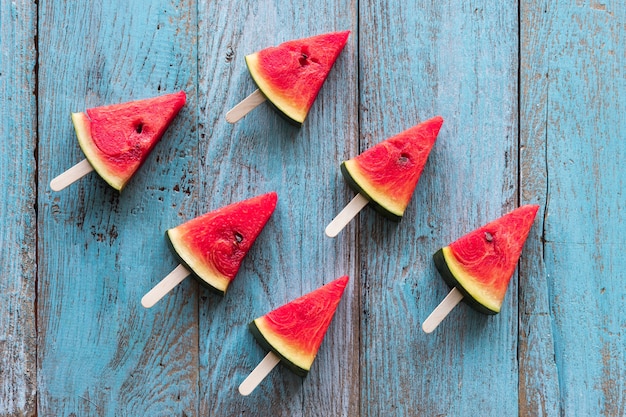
(417, 60)
(539, 384)
(18, 118)
(100, 352)
(574, 75)
(292, 256)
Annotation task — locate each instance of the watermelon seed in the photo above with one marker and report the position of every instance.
(304, 56)
(139, 128)
(488, 237)
(404, 158)
(238, 237)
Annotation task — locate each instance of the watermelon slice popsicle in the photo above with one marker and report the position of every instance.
(386, 174)
(211, 247)
(294, 332)
(290, 75)
(479, 265)
(116, 139)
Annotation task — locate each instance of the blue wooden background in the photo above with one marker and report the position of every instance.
(533, 94)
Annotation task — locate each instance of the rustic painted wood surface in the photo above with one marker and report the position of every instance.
(18, 170)
(532, 94)
(572, 105)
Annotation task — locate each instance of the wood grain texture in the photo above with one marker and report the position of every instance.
(539, 383)
(573, 101)
(18, 121)
(74, 339)
(292, 256)
(417, 60)
(100, 352)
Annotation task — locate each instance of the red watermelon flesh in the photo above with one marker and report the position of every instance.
(212, 246)
(291, 74)
(117, 139)
(296, 330)
(481, 263)
(387, 173)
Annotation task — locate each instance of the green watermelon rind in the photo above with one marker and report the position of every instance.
(376, 205)
(274, 101)
(81, 127)
(258, 335)
(473, 300)
(176, 248)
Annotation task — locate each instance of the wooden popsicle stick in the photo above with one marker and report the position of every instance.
(71, 175)
(442, 310)
(345, 215)
(166, 285)
(245, 106)
(259, 373)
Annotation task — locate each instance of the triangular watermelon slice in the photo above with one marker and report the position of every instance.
(212, 246)
(481, 263)
(291, 74)
(117, 139)
(296, 330)
(387, 173)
